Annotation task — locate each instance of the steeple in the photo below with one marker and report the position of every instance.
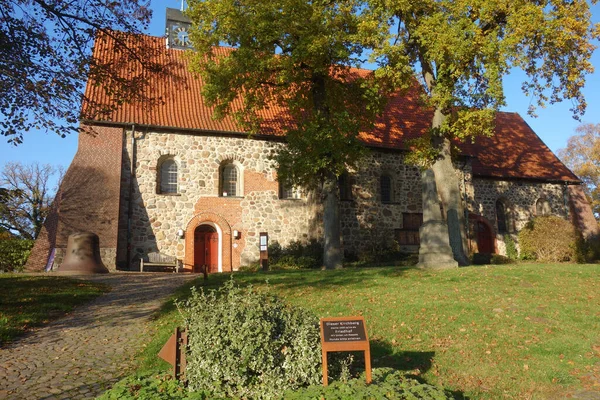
(177, 28)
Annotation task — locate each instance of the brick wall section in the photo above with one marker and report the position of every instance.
(582, 215)
(87, 200)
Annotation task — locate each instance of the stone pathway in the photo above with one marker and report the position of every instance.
(79, 356)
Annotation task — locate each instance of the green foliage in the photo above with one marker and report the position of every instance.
(298, 55)
(248, 344)
(498, 259)
(148, 386)
(511, 247)
(50, 45)
(297, 255)
(548, 239)
(481, 258)
(587, 250)
(14, 254)
(386, 384)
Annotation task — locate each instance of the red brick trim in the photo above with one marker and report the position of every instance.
(201, 219)
(473, 235)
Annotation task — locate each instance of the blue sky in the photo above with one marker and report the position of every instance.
(554, 124)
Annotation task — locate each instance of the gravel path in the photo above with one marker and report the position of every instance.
(79, 356)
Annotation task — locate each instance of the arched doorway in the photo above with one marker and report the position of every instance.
(206, 249)
(485, 240)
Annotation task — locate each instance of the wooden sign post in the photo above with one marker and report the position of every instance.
(174, 350)
(344, 334)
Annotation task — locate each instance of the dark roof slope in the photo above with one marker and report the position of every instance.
(515, 151)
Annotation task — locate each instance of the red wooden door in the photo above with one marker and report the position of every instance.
(211, 245)
(206, 250)
(485, 241)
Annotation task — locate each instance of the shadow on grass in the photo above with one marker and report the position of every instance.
(414, 363)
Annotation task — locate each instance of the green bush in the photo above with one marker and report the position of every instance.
(149, 386)
(511, 247)
(386, 384)
(548, 239)
(481, 258)
(297, 255)
(498, 259)
(248, 344)
(14, 254)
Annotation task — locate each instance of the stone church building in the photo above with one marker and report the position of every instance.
(169, 178)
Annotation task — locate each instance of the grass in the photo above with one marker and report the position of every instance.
(32, 301)
(514, 331)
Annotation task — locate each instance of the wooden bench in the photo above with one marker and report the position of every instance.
(159, 259)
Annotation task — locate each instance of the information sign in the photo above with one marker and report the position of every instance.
(344, 334)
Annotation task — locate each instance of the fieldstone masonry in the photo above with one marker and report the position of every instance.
(365, 220)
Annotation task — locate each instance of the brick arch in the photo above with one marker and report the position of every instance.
(473, 219)
(208, 218)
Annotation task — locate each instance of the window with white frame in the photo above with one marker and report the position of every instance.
(230, 181)
(287, 191)
(168, 176)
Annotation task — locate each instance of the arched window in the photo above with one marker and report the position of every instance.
(168, 176)
(501, 217)
(385, 187)
(230, 181)
(542, 207)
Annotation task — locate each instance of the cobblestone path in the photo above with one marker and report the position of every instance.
(79, 356)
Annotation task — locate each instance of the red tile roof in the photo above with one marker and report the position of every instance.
(515, 151)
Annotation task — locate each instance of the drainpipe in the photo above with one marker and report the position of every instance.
(130, 202)
(566, 198)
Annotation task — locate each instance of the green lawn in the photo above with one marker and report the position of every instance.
(518, 331)
(31, 301)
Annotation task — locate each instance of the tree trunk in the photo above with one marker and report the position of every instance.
(448, 187)
(332, 250)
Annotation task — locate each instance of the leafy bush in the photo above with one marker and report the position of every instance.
(14, 254)
(297, 255)
(481, 258)
(149, 386)
(548, 239)
(498, 259)
(248, 344)
(387, 384)
(511, 247)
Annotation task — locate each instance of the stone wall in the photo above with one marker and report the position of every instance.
(366, 222)
(157, 217)
(519, 198)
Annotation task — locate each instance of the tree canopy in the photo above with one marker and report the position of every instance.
(582, 155)
(46, 59)
(462, 49)
(25, 197)
(300, 56)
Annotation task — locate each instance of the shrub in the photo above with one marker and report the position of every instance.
(386, 384)
(248, 344)
(481, 258)
(297, 255)
(548, 239)
(149, 386)
(511, 247)
(14, 254)
(498, 259)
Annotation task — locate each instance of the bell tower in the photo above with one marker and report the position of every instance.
(178, 28)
